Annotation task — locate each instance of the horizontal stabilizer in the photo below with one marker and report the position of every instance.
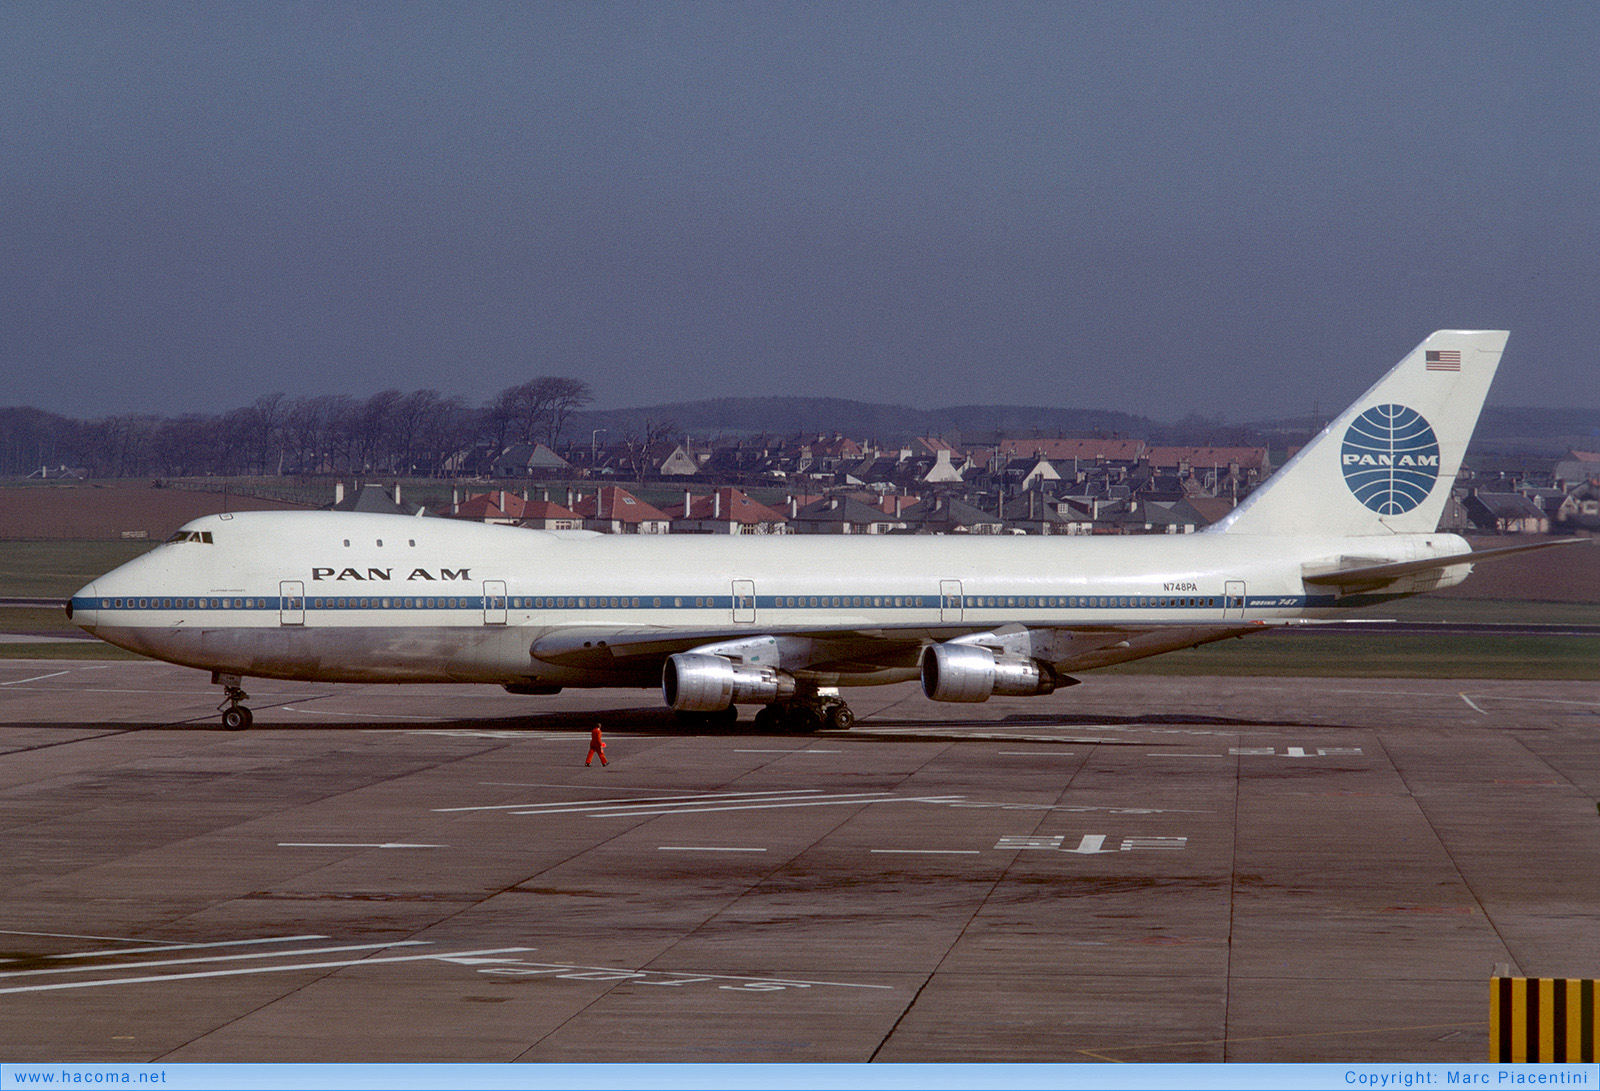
(1383, 573)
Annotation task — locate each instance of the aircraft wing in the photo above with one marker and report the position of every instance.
(869, 650)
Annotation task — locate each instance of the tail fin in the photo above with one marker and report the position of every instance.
(1386, 464)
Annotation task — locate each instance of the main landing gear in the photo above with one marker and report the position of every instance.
(235, 717)
(805, 715)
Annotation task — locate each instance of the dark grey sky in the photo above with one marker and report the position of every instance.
(1231, 208)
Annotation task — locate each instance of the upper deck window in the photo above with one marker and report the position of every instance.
(191, 536)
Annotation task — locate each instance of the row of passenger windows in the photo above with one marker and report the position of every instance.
(183, 604)
(583, 603)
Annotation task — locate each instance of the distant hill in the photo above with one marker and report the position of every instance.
(866, 420)
(1531, 430)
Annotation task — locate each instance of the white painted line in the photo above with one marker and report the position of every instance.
(1037, 753)
(181, 947)
(1164, 754)
(557, 967)
(259, 970)
(36, 678)
(353, 845)
(708, 797)
(1472, 706)
(788, 751)
(929, 852)
(702, 848)
(761, 806)
(220, 958)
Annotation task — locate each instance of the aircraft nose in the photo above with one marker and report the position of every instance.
(83, 607)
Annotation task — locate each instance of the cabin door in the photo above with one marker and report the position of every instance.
(744, 602)
(291, 603)
(494, 602)
(950, 600)
(1233, 599)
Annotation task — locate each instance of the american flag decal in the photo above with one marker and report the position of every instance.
(1443, 359)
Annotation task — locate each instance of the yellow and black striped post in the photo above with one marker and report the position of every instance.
(1541, 1019)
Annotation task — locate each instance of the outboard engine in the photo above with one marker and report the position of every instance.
(966, 672)
(694, 682)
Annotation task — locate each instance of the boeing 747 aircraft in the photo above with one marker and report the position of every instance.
(784, 622)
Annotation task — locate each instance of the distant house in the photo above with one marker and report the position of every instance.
(499, 506)
(1505, 513)
(548, 515)
(728, 511)
(943, 470)
(841, 515)
(613, 510)
(370, 498)
(529, 460)
(949, 515)
(674, 460)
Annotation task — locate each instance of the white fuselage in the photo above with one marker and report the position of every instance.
(354, 597)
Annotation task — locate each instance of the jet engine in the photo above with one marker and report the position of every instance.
(693, 682)
(965, 672)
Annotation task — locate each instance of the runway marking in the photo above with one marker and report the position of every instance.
(930, 852)
(622, 802)
(788, 751)
(178, 947)
(574, 972)
(465, 733)
(36, 678)
(215, 958)
(1295, 752)
(1093, 844)
(259, 970)
(353, 845)
(860, 799)
(1036, 753)
(703, 848)
(1472, 706)
(1163, 754)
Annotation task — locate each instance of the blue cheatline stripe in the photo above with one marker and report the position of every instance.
(539, 603)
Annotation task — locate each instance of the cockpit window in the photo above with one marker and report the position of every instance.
(191, 536)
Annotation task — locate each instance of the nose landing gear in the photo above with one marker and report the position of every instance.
(235, 717)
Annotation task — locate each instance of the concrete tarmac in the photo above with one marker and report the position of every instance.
(1135, 869)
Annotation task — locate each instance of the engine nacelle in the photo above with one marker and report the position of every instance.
(965, 672)
(692, 682)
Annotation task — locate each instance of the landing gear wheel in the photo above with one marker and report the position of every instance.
(236, 718)
(770, 718)
(803, 719)
(840, 718)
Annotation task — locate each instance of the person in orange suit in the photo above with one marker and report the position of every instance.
(597, 745)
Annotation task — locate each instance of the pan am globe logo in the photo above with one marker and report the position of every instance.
(1390, 459)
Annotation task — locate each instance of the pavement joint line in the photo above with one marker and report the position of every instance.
(260, 970)
(556, 966)
(74, 935)
(221, 958)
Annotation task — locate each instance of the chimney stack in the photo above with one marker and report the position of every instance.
(716, 504)
(455, 500)
(338, 492)
(397, 494)
(688, 499)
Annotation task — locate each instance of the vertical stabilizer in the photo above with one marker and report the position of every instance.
(1386, 464)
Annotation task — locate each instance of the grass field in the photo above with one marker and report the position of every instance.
(55, 569)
